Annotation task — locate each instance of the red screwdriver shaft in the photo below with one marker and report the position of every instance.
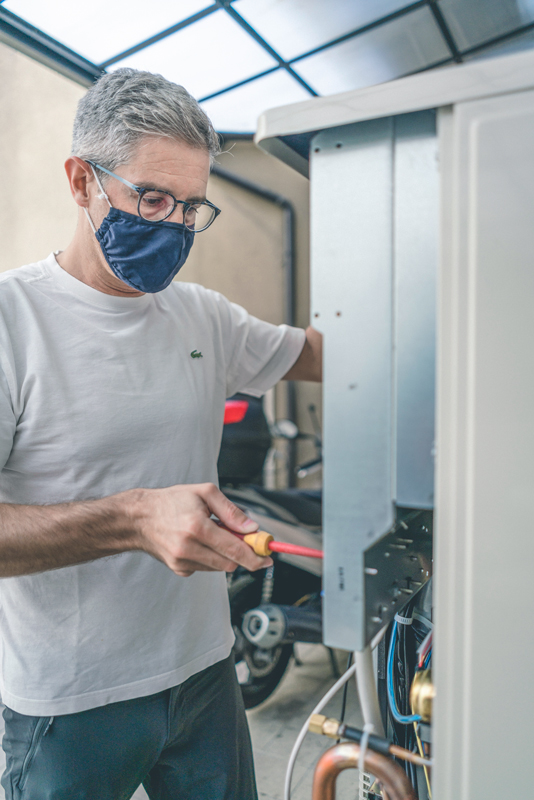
(295, 549)
(275, 547)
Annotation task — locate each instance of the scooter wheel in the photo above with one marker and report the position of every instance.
(259, 670)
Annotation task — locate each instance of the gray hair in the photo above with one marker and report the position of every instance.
(125, 106)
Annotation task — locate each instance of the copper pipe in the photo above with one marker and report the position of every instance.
(407, 755)
(346, 756)
(336, 730)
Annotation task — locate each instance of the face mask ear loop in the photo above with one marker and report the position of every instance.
(100, 196)
(102, 192)
(90, 221)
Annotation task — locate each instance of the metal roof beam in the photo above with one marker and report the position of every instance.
(226, 4)
(22, 36)
(445, 30)
(238, 84)
(358, 31)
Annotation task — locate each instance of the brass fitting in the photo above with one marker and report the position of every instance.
(422, 694)
(259, 542)
(324, 726)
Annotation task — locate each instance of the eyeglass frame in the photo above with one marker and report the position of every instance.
(142, 190)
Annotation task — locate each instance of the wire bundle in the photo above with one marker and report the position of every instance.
(405, 654)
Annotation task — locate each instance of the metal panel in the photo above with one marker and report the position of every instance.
(417, 92)
(484, 603)
(416, 226)
(396, 567)
(374, 239)
(352, 291)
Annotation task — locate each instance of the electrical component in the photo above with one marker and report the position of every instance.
(425, 649)
(422, 694)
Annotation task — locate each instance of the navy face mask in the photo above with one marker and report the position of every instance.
(145, 255)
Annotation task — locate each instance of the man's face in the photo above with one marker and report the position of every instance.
(158, 163)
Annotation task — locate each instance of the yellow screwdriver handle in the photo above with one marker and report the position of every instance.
(259, 542)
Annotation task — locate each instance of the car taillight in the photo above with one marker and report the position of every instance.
(234, 411)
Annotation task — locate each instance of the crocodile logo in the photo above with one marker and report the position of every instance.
(196, 354)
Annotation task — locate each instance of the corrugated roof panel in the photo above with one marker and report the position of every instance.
(237, 111)
(404, 45)
(294, 27)
(205, 57)
(475, 21)
(101, 29)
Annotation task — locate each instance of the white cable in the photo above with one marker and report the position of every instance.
(367, 692)
(366, 684)
(368, 728)
(318, 708)
(304, 730)
(364, 777)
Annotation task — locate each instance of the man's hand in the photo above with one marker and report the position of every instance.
(171, 524)
(174, 526)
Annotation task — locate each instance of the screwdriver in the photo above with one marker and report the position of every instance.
(264, 544)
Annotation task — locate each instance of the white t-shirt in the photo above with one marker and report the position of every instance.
(99, 394)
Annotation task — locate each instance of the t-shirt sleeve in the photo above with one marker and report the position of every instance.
(258, 354)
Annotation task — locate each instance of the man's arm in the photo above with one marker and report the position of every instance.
(309, 365)
(171, 524)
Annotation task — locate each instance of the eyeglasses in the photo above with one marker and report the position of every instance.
(156, 205)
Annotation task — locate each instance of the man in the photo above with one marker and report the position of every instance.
(116, 641)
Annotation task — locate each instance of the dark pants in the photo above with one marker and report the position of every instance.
(186, 743)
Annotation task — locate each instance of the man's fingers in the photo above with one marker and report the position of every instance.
(187, 568)
(228, 513)
(192, 551)
(232, 547)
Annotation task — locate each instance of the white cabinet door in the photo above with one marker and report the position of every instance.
(485, 441)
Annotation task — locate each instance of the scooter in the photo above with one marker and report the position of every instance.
(273, 608)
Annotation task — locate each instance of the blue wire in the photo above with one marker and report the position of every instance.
(427, 659)
(391, 693)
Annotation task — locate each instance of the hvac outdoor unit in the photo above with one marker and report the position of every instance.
(422, 211)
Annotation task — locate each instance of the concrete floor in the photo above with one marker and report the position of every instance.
(275, 724)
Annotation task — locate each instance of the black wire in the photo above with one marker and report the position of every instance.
(344, 695)
(345, 689)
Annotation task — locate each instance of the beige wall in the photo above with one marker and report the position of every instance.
(37, 106)
(243, 257)
(240, 256)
